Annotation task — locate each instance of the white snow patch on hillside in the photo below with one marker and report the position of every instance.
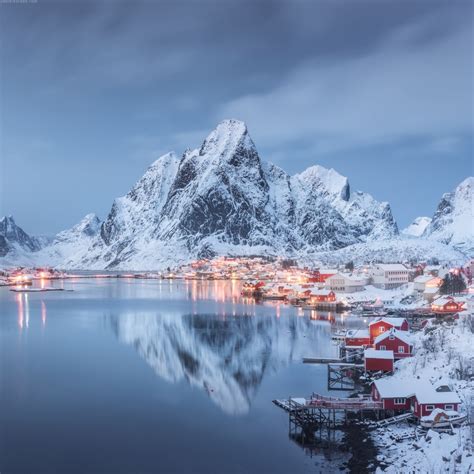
(417, 227)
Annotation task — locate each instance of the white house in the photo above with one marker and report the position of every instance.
(423, 282)
(345, 283)
(389, 275)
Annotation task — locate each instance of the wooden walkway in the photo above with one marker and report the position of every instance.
(321, 401)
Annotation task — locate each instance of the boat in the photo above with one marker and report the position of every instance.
(441, 419)
(339, 335)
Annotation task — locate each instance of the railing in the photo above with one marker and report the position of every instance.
(361, 403)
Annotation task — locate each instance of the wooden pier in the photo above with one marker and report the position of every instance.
(319, 412)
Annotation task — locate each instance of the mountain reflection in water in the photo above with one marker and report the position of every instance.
(225, 355)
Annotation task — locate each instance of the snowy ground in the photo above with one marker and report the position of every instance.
(402, 297)
(443, 353)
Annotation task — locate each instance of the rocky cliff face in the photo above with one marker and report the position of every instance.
(221, 198)
(453, 221)
(13, 239)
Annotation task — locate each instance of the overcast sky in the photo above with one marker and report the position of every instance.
(93, 92)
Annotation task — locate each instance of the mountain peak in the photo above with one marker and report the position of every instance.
(88, 226)
(453, 220)
(228, 136)
(334, 183)
(7, 219)
(13, 234)
(164, 159)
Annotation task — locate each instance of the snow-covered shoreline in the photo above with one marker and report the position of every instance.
(443, 353)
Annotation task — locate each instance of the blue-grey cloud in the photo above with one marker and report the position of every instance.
(92, 91)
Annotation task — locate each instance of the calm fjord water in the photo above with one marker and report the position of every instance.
(146, 376)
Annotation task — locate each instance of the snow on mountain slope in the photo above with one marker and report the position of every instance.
(417, 227)
(70, 242)
(397, 249)
(16, 246)
(453, 221)
(14, 236)
(219, 191)
(223, 199)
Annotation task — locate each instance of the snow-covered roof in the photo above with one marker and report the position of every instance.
(359, 333)
(424, 278)
(431, 291)
(426, 393)
(375, 354)
(326, 271)
(442, 300)
(401, 335)
(392, 387)
(392, 267)
(395, 322)
(321, 292)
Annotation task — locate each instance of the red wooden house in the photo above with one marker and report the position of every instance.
(325, 296)
(417, 396)
(396, 341)
(357, 338)
(384, 324)
(447, 305)
(375, 360)
(427, 398)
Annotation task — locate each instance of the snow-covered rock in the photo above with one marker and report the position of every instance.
(397, 249)
(453, 221)
(417, 227)
(223, 199)
(16, 246)
(68, 243)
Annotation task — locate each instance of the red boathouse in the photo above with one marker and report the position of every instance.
(396, 341)
(382, 325)
(375, 361)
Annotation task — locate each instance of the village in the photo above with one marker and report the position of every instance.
(413, 316)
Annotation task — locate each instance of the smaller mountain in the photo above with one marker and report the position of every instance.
(417, 227)
(14, 239)
(89, 226)
(453, 221)
(70, 242)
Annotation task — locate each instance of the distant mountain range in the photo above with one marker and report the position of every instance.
(223, 199)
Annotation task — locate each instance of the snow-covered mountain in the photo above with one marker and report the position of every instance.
(15, 244)
(417, 227)
(69, 242)
(222, 198)
(453, 221)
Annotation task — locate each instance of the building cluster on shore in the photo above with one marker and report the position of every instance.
(322, 288)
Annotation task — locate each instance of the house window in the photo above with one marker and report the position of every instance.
(382, 329)
(383, 348)
(400, 401)
(429, 407)
(449, 407)
(401, 349)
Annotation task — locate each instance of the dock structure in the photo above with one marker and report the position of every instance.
(343, 371)
(318, 411)
(342, 376)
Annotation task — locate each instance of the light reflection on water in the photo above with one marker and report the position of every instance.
(154, 359)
